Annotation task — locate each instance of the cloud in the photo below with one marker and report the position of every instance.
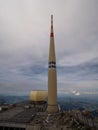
(24, 44)
(76, 93)
(85, 71)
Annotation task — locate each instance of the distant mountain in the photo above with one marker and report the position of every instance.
(77, 102)
(9, 99)
(66, 102)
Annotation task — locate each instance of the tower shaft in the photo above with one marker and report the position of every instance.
(52, 75)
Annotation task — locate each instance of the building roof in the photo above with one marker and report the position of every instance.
(21, 113)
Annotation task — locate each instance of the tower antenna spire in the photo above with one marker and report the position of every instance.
(51, 33)
(52, 75)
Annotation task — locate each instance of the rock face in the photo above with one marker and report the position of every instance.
(33, 116)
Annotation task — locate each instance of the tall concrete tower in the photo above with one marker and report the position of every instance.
(52, 75)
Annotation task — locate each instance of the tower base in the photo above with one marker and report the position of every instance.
(52, 109)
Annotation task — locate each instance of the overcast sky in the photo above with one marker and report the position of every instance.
(24, 45)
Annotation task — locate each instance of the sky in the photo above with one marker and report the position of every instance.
(24, 45)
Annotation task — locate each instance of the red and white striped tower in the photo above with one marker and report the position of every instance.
(52, 76)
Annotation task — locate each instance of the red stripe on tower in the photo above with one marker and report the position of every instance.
(51, 34)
